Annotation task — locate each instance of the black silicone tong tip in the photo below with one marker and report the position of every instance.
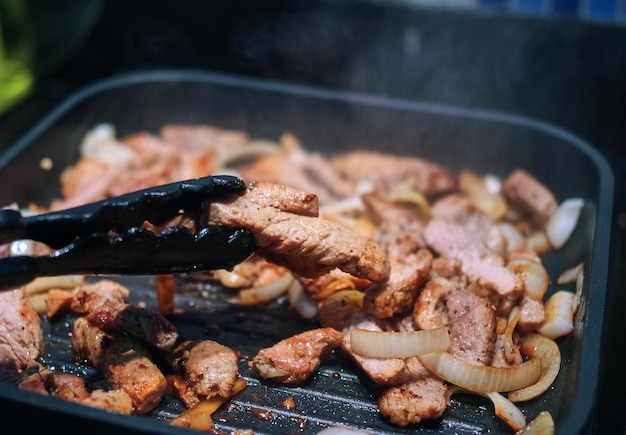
(156, 205)
(136, 252)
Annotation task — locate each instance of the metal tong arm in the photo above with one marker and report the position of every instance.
(156, 205)
(136, 252)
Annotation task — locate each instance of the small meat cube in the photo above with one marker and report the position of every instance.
(530, 196)
(209, 368)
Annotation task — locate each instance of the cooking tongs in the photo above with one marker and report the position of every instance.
(107, 237)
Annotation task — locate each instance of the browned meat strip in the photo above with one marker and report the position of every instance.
(306, 171)
(529, 195)
(478, 262)
(422, 397)
(472, 326)
(308, 246)
(21, 337)
(400, 230)
(202, 138)
(390, 172)
(294, 359)
(283, 198)
(148, 326)
(399, 293)
(209, 368)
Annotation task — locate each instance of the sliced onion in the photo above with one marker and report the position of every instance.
(563, 221)
(413, 198)
(559, 315)
(485, 379)
(503, 408)
(538, 242)
(101, 145)
(300, 300)
(340, 430)
(534, 275)
(548, 353)
(570, 275)
(348, 205)
(543, 424)
(338, 306)
(507, 411)
(509, 349)
(482, 196)
(380, 344)
(253, 149)
(233, 279)
(45, 283)
(514, 239)
(265, 293)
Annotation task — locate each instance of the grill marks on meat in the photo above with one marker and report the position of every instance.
(294, 359)
(21, 337)
(308, 246)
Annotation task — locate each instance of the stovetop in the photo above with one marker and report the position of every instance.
(560, 70)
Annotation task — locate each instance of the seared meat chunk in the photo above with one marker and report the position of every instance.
(389, 172)
(126, 364)
(308, 246)
(422, 397)
(89, 297)
(472, 326)
(399, 293)
(478, 262)
(148, 326)
(294, 359)
(21, 337)
(529, 195)
(209, 368)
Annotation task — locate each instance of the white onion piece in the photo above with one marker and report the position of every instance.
(509, 349)
(534, 275)
(380, 344)
(265, 293)
(538, 242)
(490, 202)
(413, 198)
(543, 424)
(101, 145)
(514, 239)
(45, 283)
(253, 149)
(548, 353)
(348, 205)
(232, 279)
(570, 275)
(507, 411)
(559, 315)
(300, 300)
(563, 221)
(485, 379)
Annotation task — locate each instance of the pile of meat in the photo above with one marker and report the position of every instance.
(334, 223)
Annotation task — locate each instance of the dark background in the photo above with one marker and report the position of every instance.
(564, 70)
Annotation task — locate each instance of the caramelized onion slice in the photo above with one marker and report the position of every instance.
(503, 408)
(265, 293)
(300, 300)
(543, 424)
(484, 379)
(381, 344)
(548, 353)
(559, 315)
(484, 195)
(534, 275)
(563, 221)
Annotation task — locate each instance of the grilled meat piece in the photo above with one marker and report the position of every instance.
(308, 246)
(472, 326)
(209, 368)
(423, 396)
(126, 364)
(145, 325)
(529, 195)
(294, 359)
(388, 172)
(89, 297)
(21, 337)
